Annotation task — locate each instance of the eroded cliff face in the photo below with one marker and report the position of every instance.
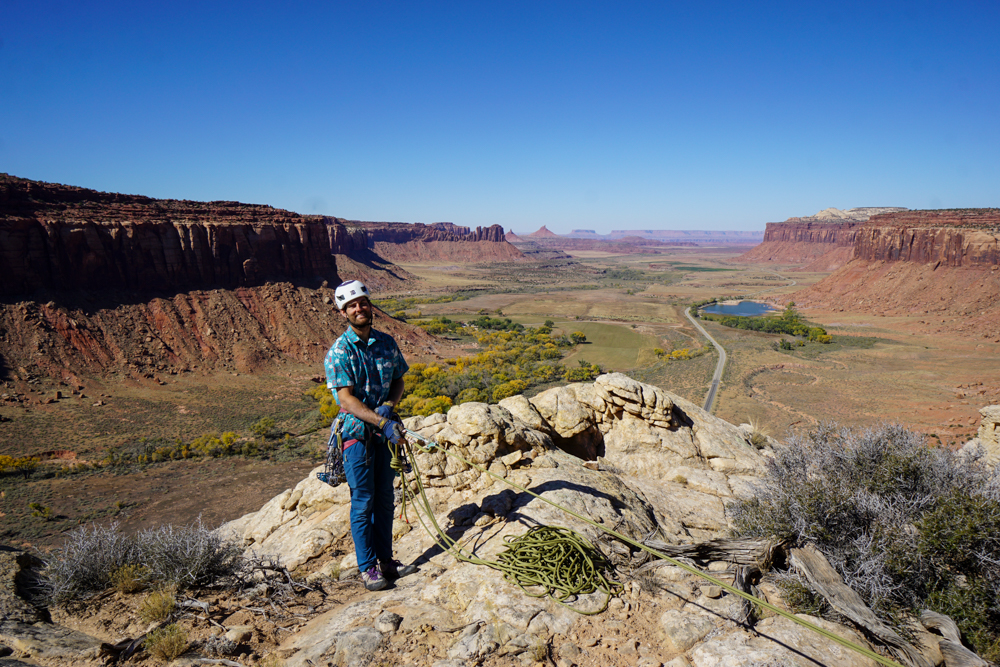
(823, 245)
(243, 330)
(823, 242)
(945, 265)
(400, 241)
(59, 237)
(948, 238)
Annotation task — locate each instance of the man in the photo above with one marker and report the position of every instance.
(364, 370)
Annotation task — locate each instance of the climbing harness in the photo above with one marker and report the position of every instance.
(541, 556)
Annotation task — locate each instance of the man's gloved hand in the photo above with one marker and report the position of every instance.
(392, 430)
(384, 410)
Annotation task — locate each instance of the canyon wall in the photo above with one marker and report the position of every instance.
(821, 242)
(942, 264)
(243, 329)
(945, 238)
(822, 245)
(439, 241)
(59, 237)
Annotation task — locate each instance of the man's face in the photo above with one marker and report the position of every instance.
(358, 313)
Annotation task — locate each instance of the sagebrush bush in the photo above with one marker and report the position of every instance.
(907, 525)
(182, 556)
(167, 643)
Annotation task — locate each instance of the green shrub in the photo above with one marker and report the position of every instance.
(157, 606)
(167, 643)
(42, 512)
(264, 428)
(907, 525)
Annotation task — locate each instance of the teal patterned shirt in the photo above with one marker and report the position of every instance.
(368, 367)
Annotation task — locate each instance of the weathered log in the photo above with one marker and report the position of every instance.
(749, 553)
(955, 654)
(827, 582)
(741, 581)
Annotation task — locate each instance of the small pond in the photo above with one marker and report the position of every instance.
(743, 308)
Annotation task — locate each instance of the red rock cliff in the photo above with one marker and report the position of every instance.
(824, 245)
(969, 238)
(941, 264)
(57, 237)
(400, 241)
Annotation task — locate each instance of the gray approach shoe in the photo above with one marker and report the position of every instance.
(393, 569)
(374, 581)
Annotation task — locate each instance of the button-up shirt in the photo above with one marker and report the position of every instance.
(369, 367)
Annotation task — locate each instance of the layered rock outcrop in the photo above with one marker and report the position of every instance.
(240, 330)
(824, 242)
(968, 239)
(60, 237)
(945, 264)
(400, 241)
(824, 246)
(664, 468)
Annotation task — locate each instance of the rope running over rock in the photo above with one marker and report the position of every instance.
(560, 562)
(457, 552)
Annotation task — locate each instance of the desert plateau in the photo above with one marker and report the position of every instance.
(161, 365)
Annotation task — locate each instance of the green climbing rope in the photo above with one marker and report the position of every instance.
(557, 562)
(452, 547)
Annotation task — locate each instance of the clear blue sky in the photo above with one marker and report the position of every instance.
(592, 115)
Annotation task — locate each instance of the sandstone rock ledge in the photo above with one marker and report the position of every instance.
(658, 465)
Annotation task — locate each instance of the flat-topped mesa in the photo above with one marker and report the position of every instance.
(61, 237)
(825, 240)
(403, 241)
(404, 232)
(957, 238)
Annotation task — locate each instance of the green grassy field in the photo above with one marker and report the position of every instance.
(611, 346)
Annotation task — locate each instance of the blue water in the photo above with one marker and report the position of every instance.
(744, 308)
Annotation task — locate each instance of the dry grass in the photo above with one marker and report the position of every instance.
(157, 606)
(167, 643)
(130, 578)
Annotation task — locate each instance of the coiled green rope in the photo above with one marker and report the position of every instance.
(557, 562)
(457, 552)
(560, 561)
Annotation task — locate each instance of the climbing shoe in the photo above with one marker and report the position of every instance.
(393, 569)
(374, 581)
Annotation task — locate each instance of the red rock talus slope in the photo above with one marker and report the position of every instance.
(440, 241)
(61, 237)
(945, 264)
(243, 329)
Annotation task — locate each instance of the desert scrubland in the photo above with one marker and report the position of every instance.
(179, 381)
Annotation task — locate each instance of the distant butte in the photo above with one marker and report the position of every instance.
(543, 233)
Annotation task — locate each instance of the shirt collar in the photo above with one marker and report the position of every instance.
(353, 337)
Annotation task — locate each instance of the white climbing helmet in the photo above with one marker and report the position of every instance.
(349, 291)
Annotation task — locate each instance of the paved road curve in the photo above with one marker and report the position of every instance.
(717, 378)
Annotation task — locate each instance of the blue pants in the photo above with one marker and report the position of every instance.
(370, 478)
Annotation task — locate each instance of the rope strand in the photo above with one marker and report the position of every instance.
(609, 586)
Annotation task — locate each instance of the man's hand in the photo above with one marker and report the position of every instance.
(384, 410)
(392, 430)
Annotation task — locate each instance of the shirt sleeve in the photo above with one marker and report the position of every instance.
(339, 370)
